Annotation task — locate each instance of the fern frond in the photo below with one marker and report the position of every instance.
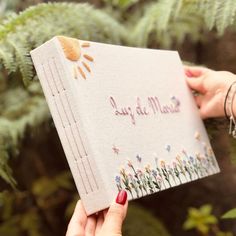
(163, 11)
(226, 15)
(19, 110)
(156, 18)
(211, 12)
(178, 7)
(187, 25)
(7, 58)
(5, 170)
(161, 16)
(180, 19)
(39, 23)
(218, 14)
(23, 60)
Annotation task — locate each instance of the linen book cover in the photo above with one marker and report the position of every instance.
(125, 117)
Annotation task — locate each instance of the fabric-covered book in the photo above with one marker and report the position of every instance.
(125, 117)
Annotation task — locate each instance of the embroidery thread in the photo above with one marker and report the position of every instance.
(140, 181)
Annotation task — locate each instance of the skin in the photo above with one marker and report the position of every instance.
(212, 87)
(105, 223)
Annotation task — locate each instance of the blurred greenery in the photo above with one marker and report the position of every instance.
(37, 192)
(230, 214)
(141, 222)
(201, 219)
(204, 222)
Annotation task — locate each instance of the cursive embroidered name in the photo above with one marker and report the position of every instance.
(145, 107)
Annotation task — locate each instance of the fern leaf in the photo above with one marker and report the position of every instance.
(39, 23)
(5, 170)
(179, 5)
(19, 109)
(23, 60)
(7, 59)
(211, 12)
(168, 20)
(225, 15)
(156, 18)
(164, 13)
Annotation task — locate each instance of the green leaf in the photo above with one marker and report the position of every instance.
(21, 33)
(200, 219)
(211, 219)
(195, 213)
(211, 13)
(206, 209)
(204, 229)
(189, 224)
(230, 214)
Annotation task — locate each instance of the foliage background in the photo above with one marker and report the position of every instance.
(37, 191)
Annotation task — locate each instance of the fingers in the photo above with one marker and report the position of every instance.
(205, 109)
(78, 221)
(193, 71)
(204, 115)
(105, 213)
(197, 84)
(198, 99)
(116, 214)
(100, 221)
(196, 77)
(81, 225)
(212, 108)
(90, 226)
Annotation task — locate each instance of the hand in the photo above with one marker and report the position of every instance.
(105, 223)
(212, 87)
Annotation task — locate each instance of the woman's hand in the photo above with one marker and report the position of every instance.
(105, 223)
(212, 87)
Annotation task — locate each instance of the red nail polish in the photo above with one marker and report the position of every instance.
(121, 197)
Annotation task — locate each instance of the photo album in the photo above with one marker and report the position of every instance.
(125, 117)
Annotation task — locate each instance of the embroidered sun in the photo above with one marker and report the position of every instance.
(74, 51)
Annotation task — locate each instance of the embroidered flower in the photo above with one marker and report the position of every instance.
(198, 155)
(139, 159)
(154, 173)
(197, 135)
(210, 151)
(117, 178)
(129, 163)
(191, 159)
(139, 171)
(148, 168)
(122, 171)
(167, 147)
(175, 101)
(184, 152)
(174, 164)
(178, 158)
(130, 175)
(163, 164)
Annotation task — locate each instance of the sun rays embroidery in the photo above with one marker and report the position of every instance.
(74, 51)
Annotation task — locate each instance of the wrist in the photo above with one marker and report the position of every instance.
(229, 108)
(229, 101)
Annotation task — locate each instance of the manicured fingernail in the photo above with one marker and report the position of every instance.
(121, 197)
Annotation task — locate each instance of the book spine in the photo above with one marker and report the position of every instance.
(54, 79)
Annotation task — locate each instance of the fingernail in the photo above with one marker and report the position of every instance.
(121, 197)
(188, 73)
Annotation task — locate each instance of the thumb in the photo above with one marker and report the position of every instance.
(195, 71)
(197, 84)
(116, 215)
